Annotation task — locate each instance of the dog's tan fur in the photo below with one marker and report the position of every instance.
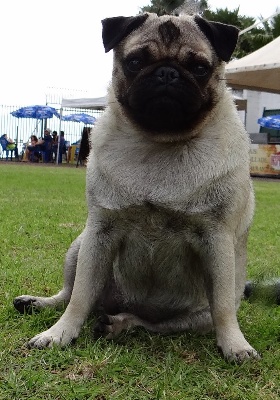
(164, 246)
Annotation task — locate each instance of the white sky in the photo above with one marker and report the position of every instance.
(57, 43)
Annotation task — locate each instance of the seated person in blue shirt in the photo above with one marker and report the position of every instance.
(8, 144)
(45, 145)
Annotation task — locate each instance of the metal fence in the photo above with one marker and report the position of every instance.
(20, 129)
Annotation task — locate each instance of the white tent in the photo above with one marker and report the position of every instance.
(259, 70)
(95, 104)
(99, 103)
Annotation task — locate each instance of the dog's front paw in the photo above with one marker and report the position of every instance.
(53, 336)
(238, 351)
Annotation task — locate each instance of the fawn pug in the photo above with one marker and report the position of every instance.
(169, 195)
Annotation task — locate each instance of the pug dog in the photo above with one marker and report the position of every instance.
(169, 194)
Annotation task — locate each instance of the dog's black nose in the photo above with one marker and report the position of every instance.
(166, 75)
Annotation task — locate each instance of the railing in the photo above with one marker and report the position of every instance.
(20, 129)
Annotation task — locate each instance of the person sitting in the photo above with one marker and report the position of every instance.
(32, 151)
(8, 144)
(45, 145)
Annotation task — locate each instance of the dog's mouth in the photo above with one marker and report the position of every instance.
(164, 102)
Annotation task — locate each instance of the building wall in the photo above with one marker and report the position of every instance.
(256, 102)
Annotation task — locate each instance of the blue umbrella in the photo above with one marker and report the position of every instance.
(272, 122)
(36, 112)
(85, 118)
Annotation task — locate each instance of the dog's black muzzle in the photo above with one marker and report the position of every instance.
(165, 100)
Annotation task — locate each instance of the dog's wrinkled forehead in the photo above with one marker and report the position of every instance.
(169, 32)
(168, 36)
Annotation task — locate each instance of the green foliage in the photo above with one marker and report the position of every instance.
(248, 42)
(42, 210)
(162, 7)
(226, 16)
(156, 7)
(275, 26)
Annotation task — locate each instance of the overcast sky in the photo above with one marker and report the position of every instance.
(57, 43)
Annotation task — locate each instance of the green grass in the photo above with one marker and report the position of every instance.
(42, 210)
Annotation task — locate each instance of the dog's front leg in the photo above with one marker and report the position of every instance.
(219, 261)
(95, 260)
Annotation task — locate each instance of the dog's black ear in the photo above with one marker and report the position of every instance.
(117, 28)
(222, 37)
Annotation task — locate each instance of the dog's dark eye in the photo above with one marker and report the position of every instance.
(199, 70)
(135, 65)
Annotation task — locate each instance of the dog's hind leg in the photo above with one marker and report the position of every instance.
(27, 303)
(110, 326)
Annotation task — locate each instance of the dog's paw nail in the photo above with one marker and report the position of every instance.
(243, 356)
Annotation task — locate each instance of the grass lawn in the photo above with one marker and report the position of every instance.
(42, 210)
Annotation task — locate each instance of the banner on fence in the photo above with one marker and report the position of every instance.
(265, 159)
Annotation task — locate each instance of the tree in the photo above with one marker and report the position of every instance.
(156, 7)
(247, 43)
(275, 26)
(162, 7)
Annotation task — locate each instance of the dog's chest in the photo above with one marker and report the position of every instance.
(156, 263)
(163, 176)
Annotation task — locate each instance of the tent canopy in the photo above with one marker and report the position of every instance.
(98, 103)
(259, 70)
